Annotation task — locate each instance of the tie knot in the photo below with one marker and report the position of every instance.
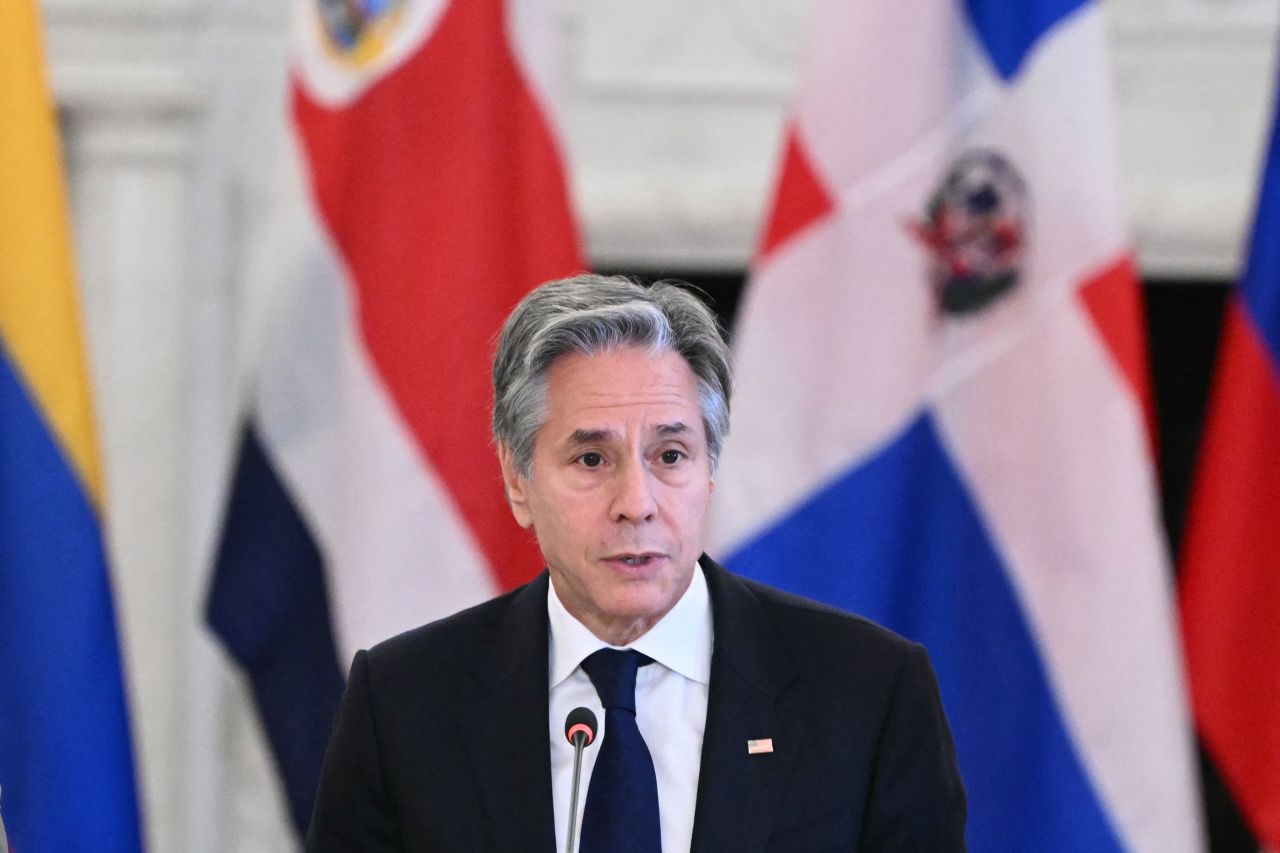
(613, 672)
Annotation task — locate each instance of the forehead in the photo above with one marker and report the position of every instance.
(630, 384)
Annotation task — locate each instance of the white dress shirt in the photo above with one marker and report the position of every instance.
(671, 707)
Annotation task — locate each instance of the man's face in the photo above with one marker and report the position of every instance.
(619, 487)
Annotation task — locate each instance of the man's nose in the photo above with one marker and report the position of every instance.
(633, 498)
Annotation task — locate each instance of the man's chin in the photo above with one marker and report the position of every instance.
(641, 602)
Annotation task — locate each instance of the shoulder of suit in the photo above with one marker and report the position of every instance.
(800, 620)
(443, 641)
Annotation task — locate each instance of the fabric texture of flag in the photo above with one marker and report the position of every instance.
(941, 419)
(66, 763)
(1229, 580)
(367, 499)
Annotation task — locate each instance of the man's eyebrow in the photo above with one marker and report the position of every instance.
(597, 436)
(590, 436)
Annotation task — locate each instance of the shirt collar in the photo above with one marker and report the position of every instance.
(681, 640)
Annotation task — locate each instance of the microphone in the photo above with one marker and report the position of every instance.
(580, 729)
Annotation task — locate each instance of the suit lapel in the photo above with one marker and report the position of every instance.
(508, 741)
(738, 792)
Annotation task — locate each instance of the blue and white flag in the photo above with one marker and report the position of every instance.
(941, 420)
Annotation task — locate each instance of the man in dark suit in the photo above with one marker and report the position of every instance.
(736, 717)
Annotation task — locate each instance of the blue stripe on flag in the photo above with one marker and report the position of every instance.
(898, 540)
(66, 765)
(1009, 29)
(270, 605)
(1259, 287)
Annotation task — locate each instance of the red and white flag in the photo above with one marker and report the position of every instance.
(367, 498)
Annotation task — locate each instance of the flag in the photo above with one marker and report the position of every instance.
(1229, 574)
(367, 498)
(941, 420)
(66, 764)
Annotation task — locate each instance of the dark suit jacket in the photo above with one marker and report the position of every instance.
(441, 743)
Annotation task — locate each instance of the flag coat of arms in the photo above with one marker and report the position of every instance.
(941, 419)
(367, 498)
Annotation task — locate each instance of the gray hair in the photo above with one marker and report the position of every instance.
(590, 314)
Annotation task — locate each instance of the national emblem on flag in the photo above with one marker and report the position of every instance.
(975, 230)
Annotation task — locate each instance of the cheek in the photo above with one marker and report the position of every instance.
(693, 511)
(571, 521)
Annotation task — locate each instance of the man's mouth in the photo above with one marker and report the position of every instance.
(635, 560)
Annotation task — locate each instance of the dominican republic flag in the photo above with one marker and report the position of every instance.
(367, 498)
(941, 418)
(66, 764)
(1230, 571)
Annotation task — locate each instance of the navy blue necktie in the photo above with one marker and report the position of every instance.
(621, 815)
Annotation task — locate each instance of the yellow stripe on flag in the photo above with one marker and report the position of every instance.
(39, 310)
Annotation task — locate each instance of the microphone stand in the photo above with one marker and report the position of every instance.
(580, 729)
(579, 743)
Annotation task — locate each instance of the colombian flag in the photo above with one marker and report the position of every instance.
(66, 767)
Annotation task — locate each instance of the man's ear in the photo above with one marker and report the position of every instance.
(516, 486)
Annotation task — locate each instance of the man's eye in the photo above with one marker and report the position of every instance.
(671, 457)
(591, 460)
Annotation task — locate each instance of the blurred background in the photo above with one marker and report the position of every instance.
(672, 118)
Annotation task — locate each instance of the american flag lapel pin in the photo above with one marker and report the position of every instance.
(758, 747)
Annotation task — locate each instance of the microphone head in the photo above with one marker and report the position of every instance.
(580, 721)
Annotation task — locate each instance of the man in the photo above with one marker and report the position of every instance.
(735, 717)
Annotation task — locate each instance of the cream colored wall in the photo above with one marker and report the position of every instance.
(673, 112)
